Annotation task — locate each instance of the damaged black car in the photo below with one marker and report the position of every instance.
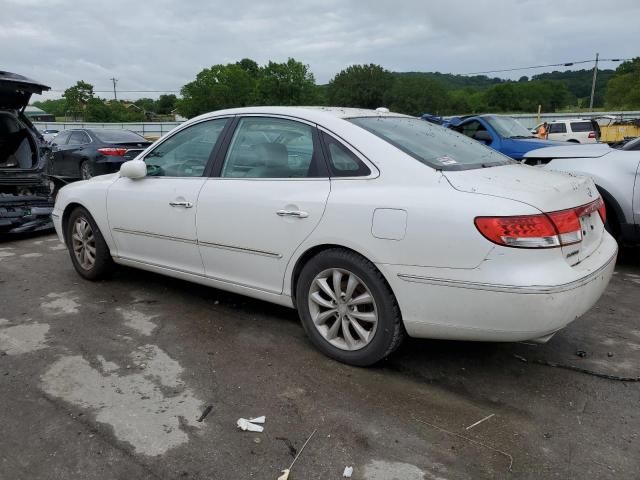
(26, 192)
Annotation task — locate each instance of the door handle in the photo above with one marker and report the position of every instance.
(181, 204)
(292, 213)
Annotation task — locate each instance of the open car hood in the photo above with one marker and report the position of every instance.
(594, 150)
(16, 90)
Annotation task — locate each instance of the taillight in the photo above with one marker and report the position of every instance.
(592, 134)
(525, 231)
(112, 152)
(545, 230)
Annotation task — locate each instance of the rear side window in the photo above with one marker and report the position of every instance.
(79, 138)
(265, 147)
(342, 161)
(581, 127)
(557, 128)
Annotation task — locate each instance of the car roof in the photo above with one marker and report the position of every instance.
(564, 120)
(312, 113)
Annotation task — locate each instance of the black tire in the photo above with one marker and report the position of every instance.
(389, 332)
(103, 263)
(86, 165)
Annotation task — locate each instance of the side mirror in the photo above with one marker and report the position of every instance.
(133, 169)
(483, 136)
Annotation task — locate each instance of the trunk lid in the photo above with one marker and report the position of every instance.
(16, 90)
(547, 193)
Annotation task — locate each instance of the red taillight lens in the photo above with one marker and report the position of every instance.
(592, 134)
(112, 152)
(527, 231)
(545, 230)
(567, 223)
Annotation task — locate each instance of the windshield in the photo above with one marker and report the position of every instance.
(507, 127)
(436, 146)
(118, 136)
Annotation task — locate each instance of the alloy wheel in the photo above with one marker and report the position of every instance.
(83, 243)
(343, 309)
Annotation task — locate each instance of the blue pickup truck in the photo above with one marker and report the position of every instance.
(499, 132)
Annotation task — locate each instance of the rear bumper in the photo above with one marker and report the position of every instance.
(25, 213)
(459, 309)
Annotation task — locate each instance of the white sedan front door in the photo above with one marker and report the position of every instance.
(269, 196)
(153, 219)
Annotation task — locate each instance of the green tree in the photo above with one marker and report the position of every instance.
(249, 66)
(165, 104)
(361, 86)
(146, 104)
(215, 88)
(416, 95)
(54, 107)
(77, 97)
(288, 83)
(623, 90)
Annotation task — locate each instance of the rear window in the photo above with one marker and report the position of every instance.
(582, 127)
(118, 136)
(436, 146)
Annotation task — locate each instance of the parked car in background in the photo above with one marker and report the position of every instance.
(25, 191)
(84, 153)
(500, 132)
(633, 144)
(575, 130)
(616, 174)
(371, 224)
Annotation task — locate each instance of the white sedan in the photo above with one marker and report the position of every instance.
(373, 225)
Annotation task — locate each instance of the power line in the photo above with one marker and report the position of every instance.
(565, 64)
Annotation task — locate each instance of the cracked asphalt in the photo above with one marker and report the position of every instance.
(109, 380)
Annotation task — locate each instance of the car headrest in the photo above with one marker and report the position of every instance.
(272, 154)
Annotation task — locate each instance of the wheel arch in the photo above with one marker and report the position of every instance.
(314, 250)
(613, 208)
(71, 206)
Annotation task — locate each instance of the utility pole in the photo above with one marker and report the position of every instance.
(115, 80)
(593, 84)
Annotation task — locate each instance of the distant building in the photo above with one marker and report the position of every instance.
(36, 114)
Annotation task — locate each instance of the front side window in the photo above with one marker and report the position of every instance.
(342, 161)
(185, 154)
(557, 128)
(270, 148)
(438, 147)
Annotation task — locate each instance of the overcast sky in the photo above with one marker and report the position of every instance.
(163, 44)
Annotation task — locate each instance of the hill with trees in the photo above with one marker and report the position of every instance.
(245, 83)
